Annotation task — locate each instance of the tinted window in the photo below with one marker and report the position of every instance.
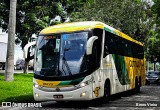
(120, 46)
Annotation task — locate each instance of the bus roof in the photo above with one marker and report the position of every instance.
(86, 25)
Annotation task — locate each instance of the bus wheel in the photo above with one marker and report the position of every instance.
(137, 86)
(107, 94)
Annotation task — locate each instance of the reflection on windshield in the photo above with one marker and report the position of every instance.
(62, 55)
(73, 50)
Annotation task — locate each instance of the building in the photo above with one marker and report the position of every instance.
(3, 49)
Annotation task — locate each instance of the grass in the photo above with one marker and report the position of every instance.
(19, 90)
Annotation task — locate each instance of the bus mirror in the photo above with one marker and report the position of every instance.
(26, 51)
(90, 44)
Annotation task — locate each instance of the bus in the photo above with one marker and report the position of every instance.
(86, 60)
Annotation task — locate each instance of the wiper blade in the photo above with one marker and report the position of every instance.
(65, 62)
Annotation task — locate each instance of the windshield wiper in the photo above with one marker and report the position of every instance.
(65, 62)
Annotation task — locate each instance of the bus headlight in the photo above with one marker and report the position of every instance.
(86, 82)
(83, 84)
(36, 95)
(35, 85)
(82, 94)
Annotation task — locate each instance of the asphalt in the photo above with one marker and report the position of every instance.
(147, 99)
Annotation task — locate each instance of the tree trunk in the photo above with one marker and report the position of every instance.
(26, 67)
(154, 64)
(9, 68)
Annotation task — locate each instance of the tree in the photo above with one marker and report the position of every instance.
(156, 10)
(153, 50)
(9, 71)
(129, 16)
(34, 15)
(133, 17)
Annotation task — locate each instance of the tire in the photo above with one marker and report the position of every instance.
(107, 93)
(3, 67)
(140, 82)
(137, 86)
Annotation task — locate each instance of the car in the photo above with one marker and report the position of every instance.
(153, 77)
(20, 64)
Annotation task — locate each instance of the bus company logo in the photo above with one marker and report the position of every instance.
(57, 89)
(47, 84)
(6, 104)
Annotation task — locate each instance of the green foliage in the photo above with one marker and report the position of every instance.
(126, 15)
(132, 17)
(156, 7)
(18, 91)
(153, 50)
(156, 11)
(34, 15)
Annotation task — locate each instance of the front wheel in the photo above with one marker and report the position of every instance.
(137, 86)
(107, 94)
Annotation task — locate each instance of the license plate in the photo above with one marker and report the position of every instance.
(58, 96)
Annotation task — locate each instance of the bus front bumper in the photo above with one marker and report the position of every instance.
(84, 93)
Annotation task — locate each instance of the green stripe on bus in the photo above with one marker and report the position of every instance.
(76, 81)
(63, 83)
(71, 82)
(107, 29)
(121, 69)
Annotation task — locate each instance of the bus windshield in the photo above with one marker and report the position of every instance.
(61, 55)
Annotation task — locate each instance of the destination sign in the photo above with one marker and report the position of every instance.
(49, 37)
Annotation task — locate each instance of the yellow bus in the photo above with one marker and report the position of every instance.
(85, 61)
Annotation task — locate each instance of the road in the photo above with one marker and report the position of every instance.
(147, 99)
